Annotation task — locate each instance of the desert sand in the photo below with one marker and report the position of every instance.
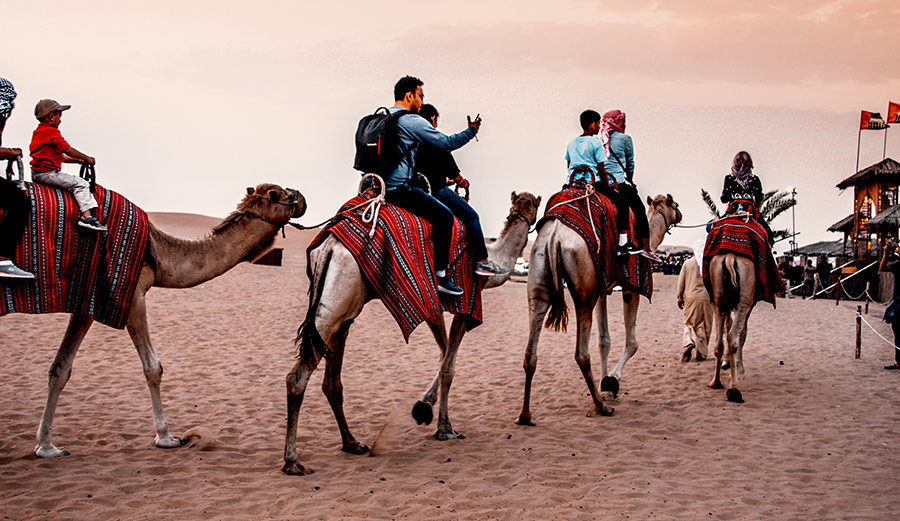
(817, 438)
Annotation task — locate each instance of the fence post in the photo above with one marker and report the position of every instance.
(837, 291)
(858, 329)
(868, 285)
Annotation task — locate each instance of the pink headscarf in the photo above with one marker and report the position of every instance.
(612, 120)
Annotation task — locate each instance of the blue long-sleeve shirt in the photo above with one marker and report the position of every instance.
(413, 129)
(623, 147)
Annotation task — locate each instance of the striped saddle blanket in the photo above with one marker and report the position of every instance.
(747, 239)
(78, 271)
(633, 272)
(397, 263)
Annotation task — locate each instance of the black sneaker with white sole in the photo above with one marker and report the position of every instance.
(447, 288)
(91, 223)
(628, 249)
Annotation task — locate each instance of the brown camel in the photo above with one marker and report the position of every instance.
(732, 281)
(338, 293)
(176, 263)
(560, 254)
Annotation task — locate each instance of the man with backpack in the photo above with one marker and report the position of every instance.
(393, 157)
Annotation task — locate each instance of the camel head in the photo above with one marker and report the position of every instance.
(662, 213)
(524, 206)
(273, 203)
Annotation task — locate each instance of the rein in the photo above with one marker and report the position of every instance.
(588, 192)
(370, 213)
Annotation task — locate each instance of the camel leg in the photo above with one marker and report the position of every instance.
(296, 381)
(140, 336)
(716, 382)
(539, 305)
(422, 410)
(602, 318)
(59, 373)
(448, 369)
(630, 303)
(583, 358)
(737, 334)
(334, 391)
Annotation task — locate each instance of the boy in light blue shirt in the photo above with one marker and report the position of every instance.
(585, 160)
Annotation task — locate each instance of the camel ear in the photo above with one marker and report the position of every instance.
(669, 199)
(513, 197)
(538, 202)
(649, 201)
(250, 190)
(273, 195)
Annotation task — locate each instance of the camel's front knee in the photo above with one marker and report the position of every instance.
(153, 373)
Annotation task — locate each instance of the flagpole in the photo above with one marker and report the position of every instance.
(858, 141)
(884, 149)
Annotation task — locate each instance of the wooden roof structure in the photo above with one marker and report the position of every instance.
(889, 217)
(886, 169)
(844, 225)
(827, 248)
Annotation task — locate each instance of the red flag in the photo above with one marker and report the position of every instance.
(893, 112)
(871, 121)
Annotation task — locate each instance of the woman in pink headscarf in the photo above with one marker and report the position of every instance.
(742, 190)
(620, 167)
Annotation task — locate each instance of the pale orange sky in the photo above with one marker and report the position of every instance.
(185, 104)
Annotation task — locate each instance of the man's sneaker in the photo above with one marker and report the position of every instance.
(627, 249)
(91, 223)
(489, 268)
(11, 271)
(649, 255)
(446, 287)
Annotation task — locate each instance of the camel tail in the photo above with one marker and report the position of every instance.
(558, 316)
(732, 284)
(308, 341)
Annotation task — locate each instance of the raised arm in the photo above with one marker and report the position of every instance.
(424, 132)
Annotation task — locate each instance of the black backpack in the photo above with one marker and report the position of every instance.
(377, 143)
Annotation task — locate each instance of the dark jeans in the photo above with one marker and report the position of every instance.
(641, 226)
(469, 218)
(422, 204)
(895, 326)
(15, 205)
(618, 201)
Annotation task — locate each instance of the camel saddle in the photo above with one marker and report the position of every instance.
(747, 238)
(397, 262)
(77, 271)
(634, 272)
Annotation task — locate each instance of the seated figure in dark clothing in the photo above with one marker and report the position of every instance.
(743, 191)
(14, 204)
(439, 167)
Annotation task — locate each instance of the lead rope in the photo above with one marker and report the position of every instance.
(373, 206)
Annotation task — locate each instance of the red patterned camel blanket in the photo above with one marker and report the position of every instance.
(77, 271)
(747, 239)
(633, 272)
(397, 262)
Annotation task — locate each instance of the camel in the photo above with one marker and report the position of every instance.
(733, 285)
(338, 293)
(559, 254)
(171, 262)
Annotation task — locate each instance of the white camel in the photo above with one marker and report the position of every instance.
(338, 293)
(560, 255)
(171, 262)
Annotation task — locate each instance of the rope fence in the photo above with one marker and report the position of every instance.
(860, 319)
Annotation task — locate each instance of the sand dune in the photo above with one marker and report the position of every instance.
(817, 438)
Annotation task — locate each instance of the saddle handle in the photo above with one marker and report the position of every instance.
(19, 166)
(89, 174)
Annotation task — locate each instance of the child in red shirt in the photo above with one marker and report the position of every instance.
(49, 150)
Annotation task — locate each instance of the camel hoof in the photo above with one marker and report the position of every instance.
(725, 365)
(448, 435)
(525, 419)
(356, 448)
(292, 468)
(169, 442)
(422, 413)
(611, 384)
(734, 395)
(52, 452)
(715, 385)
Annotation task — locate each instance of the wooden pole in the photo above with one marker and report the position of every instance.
(858, 329)
(858, 142)
(868, 285)
(884, 149)
(837, 292)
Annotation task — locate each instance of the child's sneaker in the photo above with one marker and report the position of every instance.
(649, 255)
(489, 268)
(11, 271)
(91, 223)
(445, 286)
(627, 249)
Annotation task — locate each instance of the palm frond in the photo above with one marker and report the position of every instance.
(780, 234)
(766, 196)
(710, 204)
